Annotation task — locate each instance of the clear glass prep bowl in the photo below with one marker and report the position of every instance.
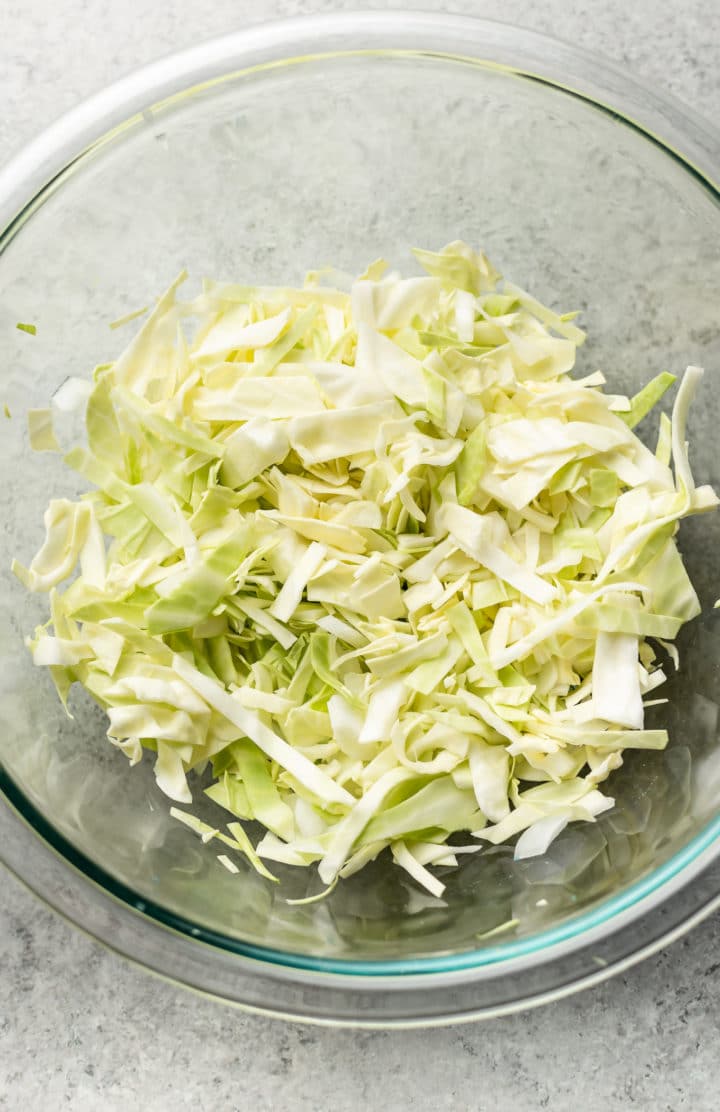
(258, 156)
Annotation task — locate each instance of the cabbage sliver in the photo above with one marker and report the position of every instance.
(373, 556)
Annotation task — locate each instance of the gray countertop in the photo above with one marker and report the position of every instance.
(80, 1028)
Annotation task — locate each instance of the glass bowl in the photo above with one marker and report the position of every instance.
(261, 155)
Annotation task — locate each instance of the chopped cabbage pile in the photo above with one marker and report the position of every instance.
(370, 553)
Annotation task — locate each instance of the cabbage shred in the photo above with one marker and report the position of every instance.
(372, 554)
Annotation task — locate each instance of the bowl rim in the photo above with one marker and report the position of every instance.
(41, 167)
(253, 984)
(662, 117)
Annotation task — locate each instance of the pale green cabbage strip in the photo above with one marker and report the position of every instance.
(376, 557)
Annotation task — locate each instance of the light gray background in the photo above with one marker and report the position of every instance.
(81, 1029)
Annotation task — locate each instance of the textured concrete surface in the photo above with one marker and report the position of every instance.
(79, 1028)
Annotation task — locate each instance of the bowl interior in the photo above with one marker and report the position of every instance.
(338, 160)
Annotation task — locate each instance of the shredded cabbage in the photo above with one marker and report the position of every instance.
(376, 557)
